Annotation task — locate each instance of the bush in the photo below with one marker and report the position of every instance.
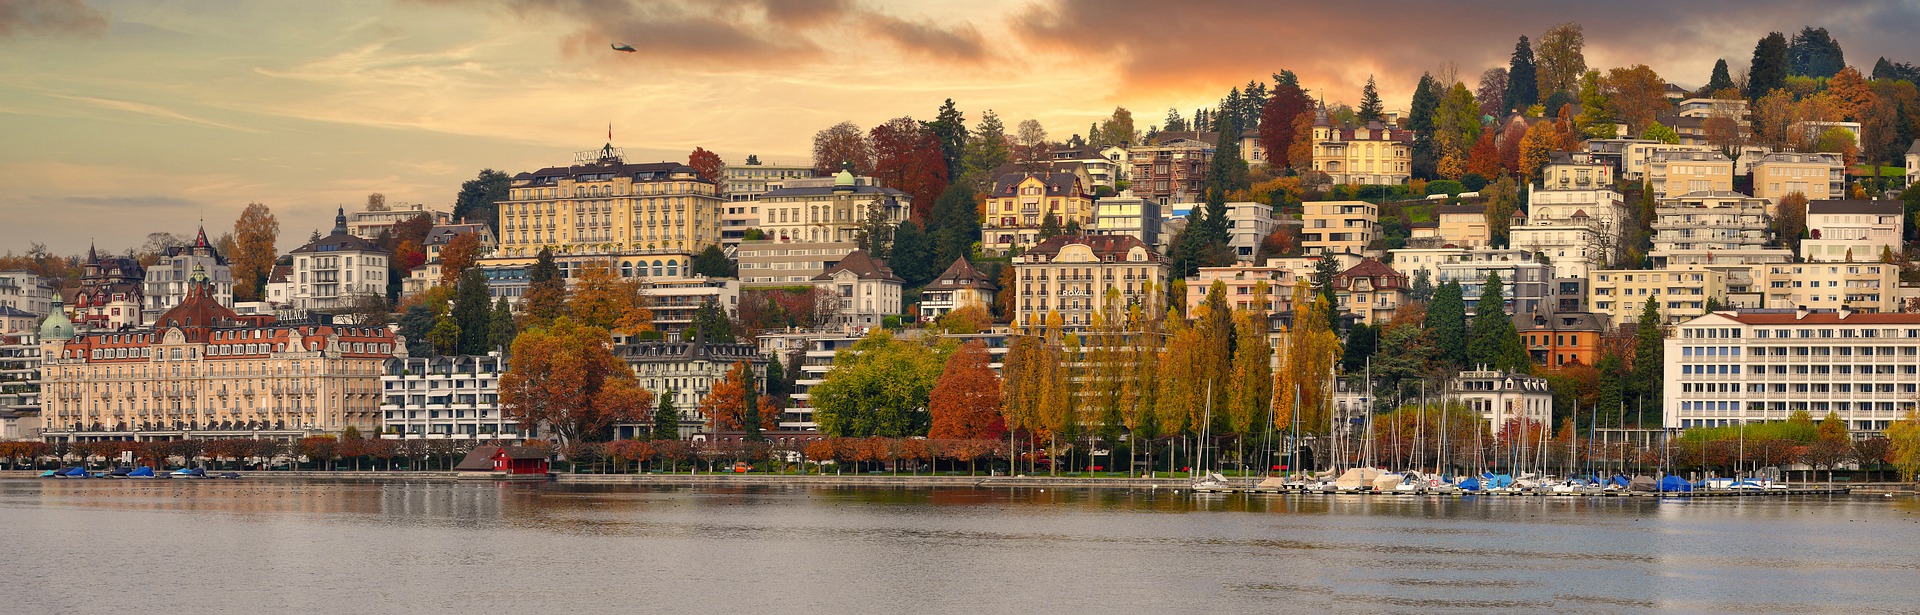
(890, 322)
(1445, 186)
(1473, 182)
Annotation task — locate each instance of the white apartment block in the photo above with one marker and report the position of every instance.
(1728, 368)
(1620, 294)
(26, 291)
(766, 263)
(452, 398)
(1705, 223)
(1247, 225)
(335, 271)
(1852, 230)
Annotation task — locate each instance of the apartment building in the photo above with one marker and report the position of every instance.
(1620, 294)
(1410, 261)
(1172, 170)
(1021, 203)
(1243, 282)
(26, 291)
(1637, 156)
(445, 398)
(765, 263)
(687, 371)
(1370, 290)
(1526, 282)
(1127, 214)
(829, 209)
(1071, 274)
(1865, 287)
(1370, 155)
(1819, 176)
(1754, 366)
(1338, 227)
(1704, 223)
(1248, 224)
(675, 299)
(336, 271)
(1852, 230)
(380, 218)
(1561, 339)
(1671, 173)
(604, 206)
(746, 182)
(1463, 225)
(1500, 398)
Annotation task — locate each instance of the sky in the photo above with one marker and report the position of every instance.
(121, 118)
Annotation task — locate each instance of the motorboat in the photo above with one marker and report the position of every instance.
(189, 473)
(119, 472)
(73, 472)
(229, 475)
(143, 472)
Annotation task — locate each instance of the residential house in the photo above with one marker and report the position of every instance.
(961, 285)
(1021, 203)
(1071, 274)
(1370, 290)
(868, 289)
(1818, 176)
(1852, 230)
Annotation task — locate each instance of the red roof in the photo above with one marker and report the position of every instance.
(1823, 318)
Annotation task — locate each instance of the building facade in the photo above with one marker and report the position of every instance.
(829, 210)
(1021, 203)
(1819, 176)
(336, 271)
(1370, 290)
(27, 292)
(603, 205)
(1248, 224)
(109, 297)
(1250, 287)
(746, 182)
(368, 224)
(766, 263)
(203, 371)
(1171, 171)
(1619, 295)
(1561, 339)
(1338, 227)
(1756, 366)
(166, 281)
(1500, 398)
(1071, 274)
(1371, 154)
(687, 371)
(1852, 230)
(1702, 223)
(1126, 214)
(20, 373)
(960, 286)
(445, 398)
(868, 290)
(1526, 283)
(1673, 173)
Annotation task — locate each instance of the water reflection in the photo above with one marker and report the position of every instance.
(372, 546)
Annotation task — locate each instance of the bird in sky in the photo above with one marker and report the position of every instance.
(623, 47)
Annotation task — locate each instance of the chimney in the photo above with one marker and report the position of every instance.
(1845, 311)
(1799, 312)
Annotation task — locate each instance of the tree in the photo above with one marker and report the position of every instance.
(913, 254)
(1814, 53)
(967, 320)
(954, 227)
(949, 131)
(1503, 202)
(711, 325)
(1903, 440)
(1659, 132)
(478, 198)
(1250, 386)
(666, 419)
(1360, 345)
(839, 145)
(1117, 129)
(1636, 95)
(713, 263)
(965, 401)
(1770, 66)
(460, 254)
(1560, 58)
(1648, 349)
(880, 386)
(1523, 86)
(444, 339)
(1484, 158)
(1279, 126)
(1030, 144)
(603, 300)
(546, 290)
(415, 325)
(1790, 220)
(1049, 226)
(472, 312)
(1720, 80)
(987, 149)
(1447, 319)
(1491, 95)
(500, 329)
(1420, 119)
(1422, 287)
(1306, 366)
(1493, 342)
(908, 157)
(708, 165)
(565, 377)
(253, 255)
(1370, 108)
(734, 403)
(1536, 148)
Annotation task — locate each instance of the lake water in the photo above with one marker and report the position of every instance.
(285, 546)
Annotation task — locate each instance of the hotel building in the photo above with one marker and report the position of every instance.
(1756, 366)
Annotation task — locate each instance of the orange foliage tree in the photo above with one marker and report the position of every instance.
(601, 299)
(726, 406)
(459, 254)
(566, 378)
(965, 403)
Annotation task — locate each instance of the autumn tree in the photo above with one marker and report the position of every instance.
(1491, 94)
(1279, 126)
(1560, 58)
(1903, 440)
(460, 253)
(735, 404)
(1635, 95)
(841, 145)
(1250, 387)
(1030, 144)
(255, 234)
(707, 164)
(565, 378)
(1300, 386)
(909, 158)
(604, 300)
(1790, 220)
(965, 401)
(879, 386)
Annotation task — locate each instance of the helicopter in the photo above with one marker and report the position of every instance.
(623, 47)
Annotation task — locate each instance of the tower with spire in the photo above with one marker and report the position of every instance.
(168, 281)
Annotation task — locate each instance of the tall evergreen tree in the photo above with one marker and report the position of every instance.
(666, 419)
(1649, 349)
(1324, 271)
(777, 386)
(1420, 118)
(1447, 319)
(546, 289)
(912, 254)
(501, 329)
(1049, 226)
(987, 148)
(1814, 53)
(473, 312)
(1360, 346)
(1523, 87)
(1493, 342)
(713, 263)
(1720, 80)
(949, 127)
(1221, 173)
(1370, 108)
(415, 324)
(1770, 66)
(1422, 288)
(954, 225)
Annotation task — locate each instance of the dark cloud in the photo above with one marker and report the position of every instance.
(961, 43)
(23, 17)
(1208, 47)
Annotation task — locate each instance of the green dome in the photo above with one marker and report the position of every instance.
(843, 179)
(56, 326)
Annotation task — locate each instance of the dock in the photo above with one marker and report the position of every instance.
(1730, 493)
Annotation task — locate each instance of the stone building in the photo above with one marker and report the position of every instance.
(166, 280)
(1071, 275)
(687, 371)
(604, 207)
(1020, 203)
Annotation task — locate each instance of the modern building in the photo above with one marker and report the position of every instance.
(1243, 282)
(1104, 166)
(1637, 156)
(1865, 287)
(1619, 295)
(1526, 282)
(767, 263)
(20, 372)
(829, 209)
(1818, 176)
(1852, 230)
(604, 206)
(25, 292)
(508, 282)
(1754, 366)
(334, 272)
(1370, 290)
(746, 182)
(109, 297)
(369, 224)
(1671, 173)
(1501, 397)
(1612, 153)
(1172, 170)
(202, 371)
(868, 289)
(1410, 261)
(1462, 225)
(446, 398)
(1338, 227)
(1021, 203)
(1248, 223)
(166, 280)
(675, 299)
(687, 371)
(1071, 274)
(1701, 223)
(1370, 154)
(959, 286)
(1126, 214)
(1561, 339)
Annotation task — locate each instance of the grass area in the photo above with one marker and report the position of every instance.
(1418, 213)
(1889, 171)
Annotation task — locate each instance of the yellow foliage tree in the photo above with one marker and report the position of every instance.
(1307, 364)
(602, 299)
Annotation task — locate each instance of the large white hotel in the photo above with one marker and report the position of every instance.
(1756, 366)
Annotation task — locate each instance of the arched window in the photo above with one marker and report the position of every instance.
(626, 269)
(673, 269)
(659, 269)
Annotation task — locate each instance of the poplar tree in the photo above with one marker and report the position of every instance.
(1649, 350)
(1447, 319)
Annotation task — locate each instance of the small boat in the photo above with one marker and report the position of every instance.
(142, 472)
(1212, 481)
(50, 474)
(229, 475)
(189, 473)
(74, 472)
(120, 472)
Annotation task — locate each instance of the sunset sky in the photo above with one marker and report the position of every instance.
(124, 118)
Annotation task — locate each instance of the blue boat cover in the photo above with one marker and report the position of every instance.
(1674, 483)
(1622, 480)
(141, 471)
(76, 471)
(1470, 484)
